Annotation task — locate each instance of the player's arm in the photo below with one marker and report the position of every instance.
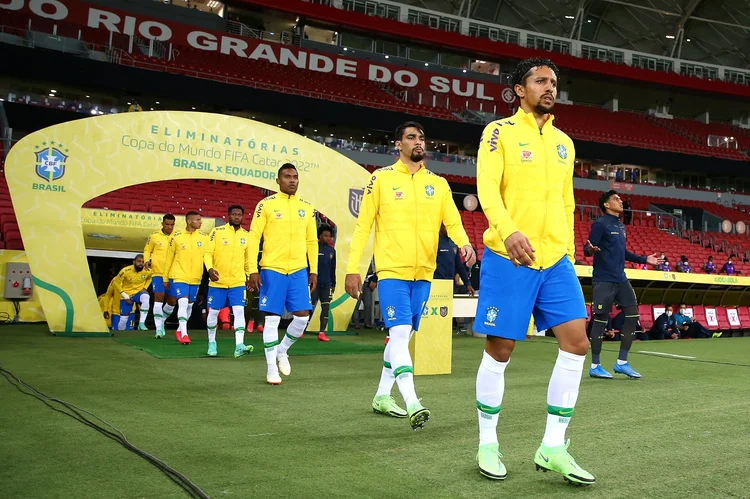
(452, 222)
(570, 208)
(118, 283)
(168, 261)
(490, 169)
(148, 250)
(257, 227)
(208, 256)
(632, 257)
(333, 271)
(312, 245)
(368, 209)
(595, 237)
(461, 269)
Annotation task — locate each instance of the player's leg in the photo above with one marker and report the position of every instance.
(171, 302)
(604, 294)
(560, 305)
(626, 299)
(157, 286)
(297, 301)
(383, 403)
(237, 300)
(181, 291)
(144, 301)
(125, 309)
(325, 306)
(503, 310)
(215, 300)
(272, 296)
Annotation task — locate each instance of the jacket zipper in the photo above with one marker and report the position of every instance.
(416, 223)
(291, 231)
(546, 199)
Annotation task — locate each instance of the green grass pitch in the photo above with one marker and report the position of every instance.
(681, 431)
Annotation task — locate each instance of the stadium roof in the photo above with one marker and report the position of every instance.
(709, 31)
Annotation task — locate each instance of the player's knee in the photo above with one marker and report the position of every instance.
(631, 311)
(601, 317)
(499, 348)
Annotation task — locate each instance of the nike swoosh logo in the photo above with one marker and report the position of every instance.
(546, 460)
(396, 188)
(523, 144)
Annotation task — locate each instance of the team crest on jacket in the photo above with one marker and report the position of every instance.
(199, 244)
(562, 152)
(429, 190)
(355, 200)
(242, 240)
(301, 213)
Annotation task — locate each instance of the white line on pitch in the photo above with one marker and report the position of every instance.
(667, 355)
(261, 435)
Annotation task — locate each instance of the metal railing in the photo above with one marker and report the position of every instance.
(662, 220)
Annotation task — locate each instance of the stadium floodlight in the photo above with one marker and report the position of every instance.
(671, 37)
(93, 111)
(570, 17)
(53, 91)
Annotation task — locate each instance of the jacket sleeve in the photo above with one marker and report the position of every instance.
(570, 208)
(312, 245)
(461, 269)
(208, 253)
(490, 169)
(632, 257)
(147, 283)
(117, 283)
(257, 226)
(595, 237)
(452, 220)
(333, 270)
(148, 249)
(368, 210)
(169, 260)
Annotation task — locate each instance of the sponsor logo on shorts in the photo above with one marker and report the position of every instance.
(264, 300)
(210, 300)
(490, 316)
(391, 312)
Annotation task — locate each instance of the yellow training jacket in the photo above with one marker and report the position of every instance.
(227, 252)
(156, 250)
(525, 183)
(407, 210)
(290, 236)
(185, 257)
(131, 281)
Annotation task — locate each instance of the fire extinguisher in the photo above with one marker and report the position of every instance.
(26, 285)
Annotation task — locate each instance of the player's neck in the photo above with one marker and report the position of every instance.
(541, 119)
(189, 229)
(613, 213)
(235, 227)
(411, 165)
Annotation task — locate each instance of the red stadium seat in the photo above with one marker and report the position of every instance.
(647, 316)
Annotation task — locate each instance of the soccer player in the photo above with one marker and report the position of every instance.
(287, 225)
(610, 284)
(227, 260)
(525, 186)
(155, 254)
(183, 271)
(407, 203)
(131, 284)
(326, 277)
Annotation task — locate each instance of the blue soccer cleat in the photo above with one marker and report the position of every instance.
(212, 351)
(626, 370)
(599, 372)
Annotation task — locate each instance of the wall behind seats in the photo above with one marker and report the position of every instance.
(159, 10)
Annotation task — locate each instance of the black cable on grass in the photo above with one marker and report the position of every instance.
(107, 430)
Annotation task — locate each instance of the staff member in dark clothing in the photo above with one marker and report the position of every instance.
(326, 278)
(663, 328)
(449, 262)
(610, 284)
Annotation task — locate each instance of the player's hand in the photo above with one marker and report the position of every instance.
(472, 292)
(593, 249)
(129, 302)
(353, 285)
(166, 284)
(254, 283)
(213, 274)
(148, 265)
(519, 249)
(675, 336)
(469, 255)
(106, 315)
(373, 285)
(313, 282)
(654, 259)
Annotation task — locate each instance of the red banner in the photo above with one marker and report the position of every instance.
(116, 21)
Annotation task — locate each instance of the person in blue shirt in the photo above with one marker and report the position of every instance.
(449, 262)
(663, 328)
(683, 265)
(610, 284)
(709, 267)
(686, 327)
(326, 277)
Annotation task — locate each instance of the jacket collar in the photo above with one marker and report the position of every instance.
(286, 196)
(401, 167)
(528, 119)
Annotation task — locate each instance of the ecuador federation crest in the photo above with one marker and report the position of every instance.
(355, 201)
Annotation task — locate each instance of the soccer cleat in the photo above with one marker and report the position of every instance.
(385, 404)
(182, 338)
(160, 334)
(418, 415)
(717, 334)
(212, 352)
(285, 367)
(322, 337)
(241, 350)
(599, 372)
(178, 335)
(273, 378)
(488, 459)
(626, 370)
(260, 328)
(142, 327)
(558, 460)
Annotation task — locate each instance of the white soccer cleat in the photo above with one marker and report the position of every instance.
(273, 378)
(285, 367)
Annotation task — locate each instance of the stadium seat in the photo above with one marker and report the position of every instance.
(647, 316)
(723, 319)
(733, 317)
(711, 319)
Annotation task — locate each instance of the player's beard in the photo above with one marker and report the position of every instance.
(137, 268)
(540, 108)
(416, 156)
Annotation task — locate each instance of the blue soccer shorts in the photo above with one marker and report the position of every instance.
(509, 295)
(126, 308)
(402, 302)
(219, 298)
(183, 290)
(157, 284)
(279, 291)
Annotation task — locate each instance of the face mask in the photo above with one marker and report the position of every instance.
(730, 262)
(682, 311)
(669, 313)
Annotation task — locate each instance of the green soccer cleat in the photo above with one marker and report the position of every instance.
(717, 334)
(241, 350)
(418, 415)
(212, 351)
(159, 334)
(385, 404)
(142, 327)
(558, 460)
(488, 459)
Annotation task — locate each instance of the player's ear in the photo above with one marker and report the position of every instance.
(520, 91)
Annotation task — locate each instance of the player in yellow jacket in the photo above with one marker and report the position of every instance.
(155, 254)
(407, 203)
(525, 185)
(183, 271)
(290, 242)
(109, 306)
(131, 285)
(227, 259)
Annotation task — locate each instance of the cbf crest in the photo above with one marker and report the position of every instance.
(355, 201)
(50, 161)
(562, 152)
(429, 190)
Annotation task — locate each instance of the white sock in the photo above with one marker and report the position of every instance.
(294, 331)
(182, 316)
(561, 396)
(145, 302)
(211, 321)
(122, 325)
(158, 317)
(189, 311)
(270, 341)
(594, 366)
(401, 363)
(621, 362)
(168, 309)
(239, 324)
(490, 388)
(386, 375)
